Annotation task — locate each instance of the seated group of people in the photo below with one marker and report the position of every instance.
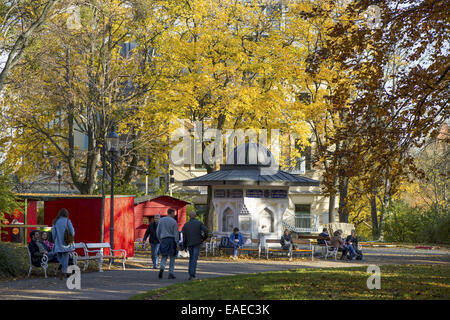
(39, 246)
(348, 247)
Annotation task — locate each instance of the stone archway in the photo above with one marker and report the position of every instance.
(266, 221)
(227, 220)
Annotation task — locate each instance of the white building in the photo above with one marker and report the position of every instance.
(259, 201)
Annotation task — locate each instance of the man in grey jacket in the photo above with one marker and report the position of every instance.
(167, 233)
(194, 233)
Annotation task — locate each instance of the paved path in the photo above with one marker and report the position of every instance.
(120, 284)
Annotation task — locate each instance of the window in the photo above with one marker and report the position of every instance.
(303, 163)
(162, 182)
(265, 222)
(279, 194)
(220, 193)
(228, 193)
(303, 216)
(244, 223)
(254, 193)
(227, 220)
(236, 193)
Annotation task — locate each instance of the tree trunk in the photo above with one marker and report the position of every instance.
(374, 217)
(331, 205)
(343, 192)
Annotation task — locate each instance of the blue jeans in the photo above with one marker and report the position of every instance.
(194, 252)
(63, 258)
(171, 264)
(155, 253)
(235, 251)
(351, 249)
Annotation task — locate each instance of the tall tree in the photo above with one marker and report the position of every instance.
(20, 21)
(388, 110)
(82, 81)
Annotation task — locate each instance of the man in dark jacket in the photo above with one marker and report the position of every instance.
(353, 241)
(154, 241)
(324, 234)
(194, 233)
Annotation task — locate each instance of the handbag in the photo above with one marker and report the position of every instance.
(68, 238)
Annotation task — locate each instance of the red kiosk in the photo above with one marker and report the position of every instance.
(85, 212)
(146, 207)
(26, 216)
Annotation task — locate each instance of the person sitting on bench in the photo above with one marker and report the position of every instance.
(44, 240)
(323, 234)
(339, 243)
(237, 239)
(352, 240)
(286, 240)
(39, 249)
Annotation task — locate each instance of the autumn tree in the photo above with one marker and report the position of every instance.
(80, 82)
(20, 23)
(235, 64)
(387, 111)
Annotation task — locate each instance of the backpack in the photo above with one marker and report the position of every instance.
(225, 243)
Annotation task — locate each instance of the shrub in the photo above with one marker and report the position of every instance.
(417, 225)
(13, 260)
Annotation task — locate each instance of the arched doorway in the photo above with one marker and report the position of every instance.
(265, 221)
(227, 220)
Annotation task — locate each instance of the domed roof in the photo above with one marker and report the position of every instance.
(250, 154)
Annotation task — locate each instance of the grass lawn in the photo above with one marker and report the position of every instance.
(397, 282)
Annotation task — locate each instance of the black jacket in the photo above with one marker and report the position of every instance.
(285, 238)
(353, 241)
(323, 234)
(151, 231)
(36, 256)
(194, 233)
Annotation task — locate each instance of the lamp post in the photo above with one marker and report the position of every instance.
(112, 144)
(59, 171)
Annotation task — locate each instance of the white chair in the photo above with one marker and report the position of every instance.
(330, 251)
(44, 263)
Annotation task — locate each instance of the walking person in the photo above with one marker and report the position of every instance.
(168, 235)
(194, 233)
(153, 239)
(61, 248)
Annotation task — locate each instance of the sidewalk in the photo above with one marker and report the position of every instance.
(122, 284)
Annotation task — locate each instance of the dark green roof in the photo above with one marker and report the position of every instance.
(250, 176)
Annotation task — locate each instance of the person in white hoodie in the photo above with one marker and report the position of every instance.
(168, 235)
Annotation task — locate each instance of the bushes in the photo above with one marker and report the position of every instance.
(417, 225)
(13, 260)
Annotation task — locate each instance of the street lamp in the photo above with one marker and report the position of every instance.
(112, 145)
(59, 172)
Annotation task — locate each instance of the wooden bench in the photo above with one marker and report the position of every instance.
(289, 252)
(307, 242)
(98, 248)
(255, 247)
